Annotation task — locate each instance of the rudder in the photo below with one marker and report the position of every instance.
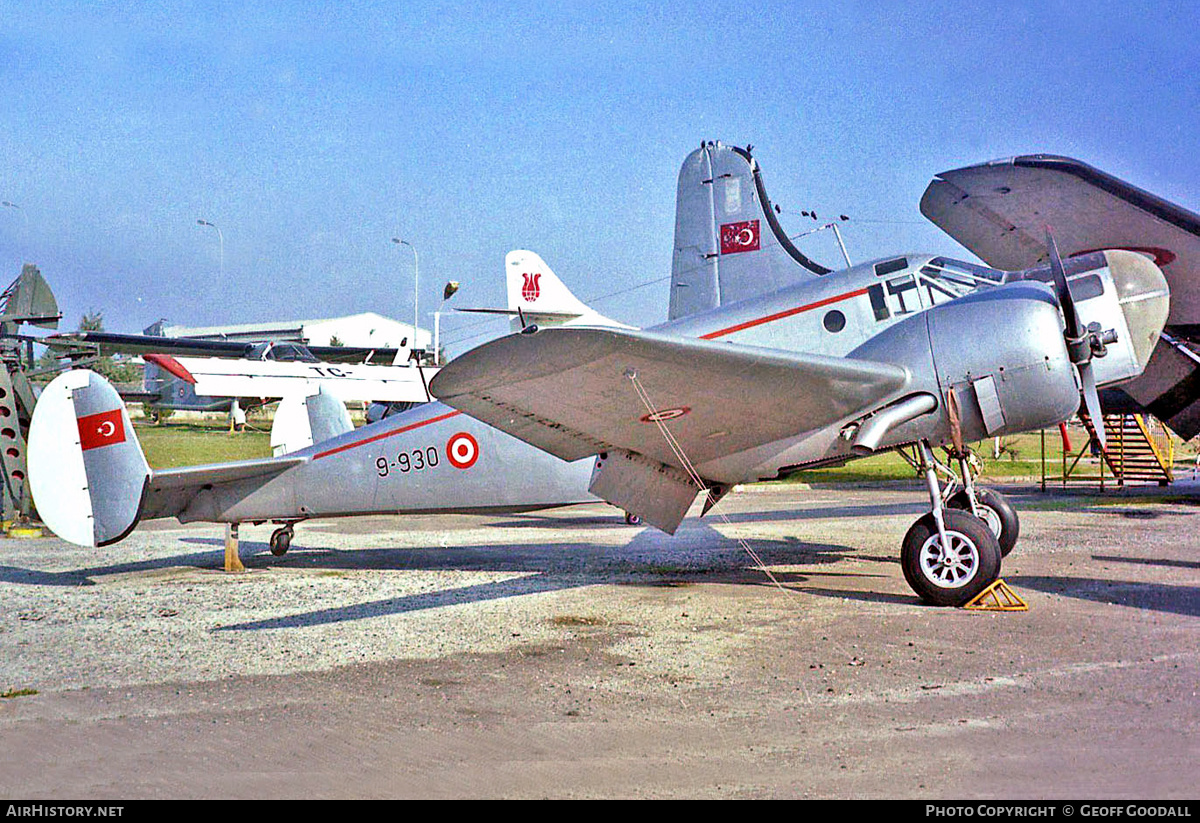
(87, 472)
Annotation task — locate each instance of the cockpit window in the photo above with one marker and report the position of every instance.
(960, 271)
(282, 352)
(891, 266)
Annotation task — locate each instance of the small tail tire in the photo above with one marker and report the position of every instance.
(950, 575)
(281, 541)
(998, 514)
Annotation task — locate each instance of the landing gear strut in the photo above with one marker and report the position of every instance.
(988, 505)
(949, 555)
(281, 540)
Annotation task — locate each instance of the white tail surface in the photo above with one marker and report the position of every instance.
(87, 472)
(536, 295)
(301, 421)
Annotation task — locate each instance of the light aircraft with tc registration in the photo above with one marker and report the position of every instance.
(759, 408)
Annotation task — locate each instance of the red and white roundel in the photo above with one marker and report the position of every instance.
(462, 450)
(665, 414)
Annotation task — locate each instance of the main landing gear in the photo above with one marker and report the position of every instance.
(953, 553)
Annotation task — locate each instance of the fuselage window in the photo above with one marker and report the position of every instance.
(835, 321)
(898, 288)
(878, 302)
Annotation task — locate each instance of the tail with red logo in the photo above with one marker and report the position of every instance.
(537, 296)
(729, 245)
(87, 472)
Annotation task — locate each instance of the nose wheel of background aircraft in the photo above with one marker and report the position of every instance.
(281, 540)
(949, 555)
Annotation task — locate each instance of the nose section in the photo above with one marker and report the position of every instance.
(1144, 298)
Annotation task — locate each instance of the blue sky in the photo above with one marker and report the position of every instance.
(313, 133)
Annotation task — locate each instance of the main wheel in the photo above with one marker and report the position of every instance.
(997, 512)
(950, 575)
(281, 540)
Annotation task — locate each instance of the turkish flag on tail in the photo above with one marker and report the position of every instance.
(103, 429)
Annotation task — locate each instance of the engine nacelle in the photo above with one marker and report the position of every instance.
(1000, 352)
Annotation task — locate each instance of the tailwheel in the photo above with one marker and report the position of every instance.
(632, 519)
(994, 510)
(281, 540)
(951, 565)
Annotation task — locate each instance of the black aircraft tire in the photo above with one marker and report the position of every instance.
(1001, 512)
(632, 519)
(974, 563)
(281, 541)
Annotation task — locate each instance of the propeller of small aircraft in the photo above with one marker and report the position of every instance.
(1083, 342)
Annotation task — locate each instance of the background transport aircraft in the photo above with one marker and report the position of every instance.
(999, 210)
(764, 367)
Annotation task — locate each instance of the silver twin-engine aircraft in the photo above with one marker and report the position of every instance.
(768, 364)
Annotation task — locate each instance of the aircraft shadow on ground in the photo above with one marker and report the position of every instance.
(1157, 597)
(697, 554)
(916, 508)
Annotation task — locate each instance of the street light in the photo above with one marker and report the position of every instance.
(450, 290)
(220, 240)
(416, 290)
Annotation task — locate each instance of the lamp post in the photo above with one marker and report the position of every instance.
(450, 290)
(416, 289)
(220, 240)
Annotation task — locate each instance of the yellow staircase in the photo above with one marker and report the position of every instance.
(1140, 449)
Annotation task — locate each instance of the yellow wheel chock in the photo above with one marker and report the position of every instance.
(998, 597)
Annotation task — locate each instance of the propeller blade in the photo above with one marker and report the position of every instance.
(1062, 289)
(1092, 400)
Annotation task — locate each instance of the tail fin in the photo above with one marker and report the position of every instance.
(536, 295)
(87, 472)
(729, 245)
(301, 421)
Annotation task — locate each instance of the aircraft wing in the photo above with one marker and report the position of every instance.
(569, 391)
(1000, 210)
(217, 377)
(112, 343)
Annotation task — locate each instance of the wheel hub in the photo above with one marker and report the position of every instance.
(950, 566)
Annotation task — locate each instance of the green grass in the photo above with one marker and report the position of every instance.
(1020, 458)
(11, 693)
(189, 444)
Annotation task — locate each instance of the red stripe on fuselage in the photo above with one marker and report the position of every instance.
(780, 315)
(385, 435)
